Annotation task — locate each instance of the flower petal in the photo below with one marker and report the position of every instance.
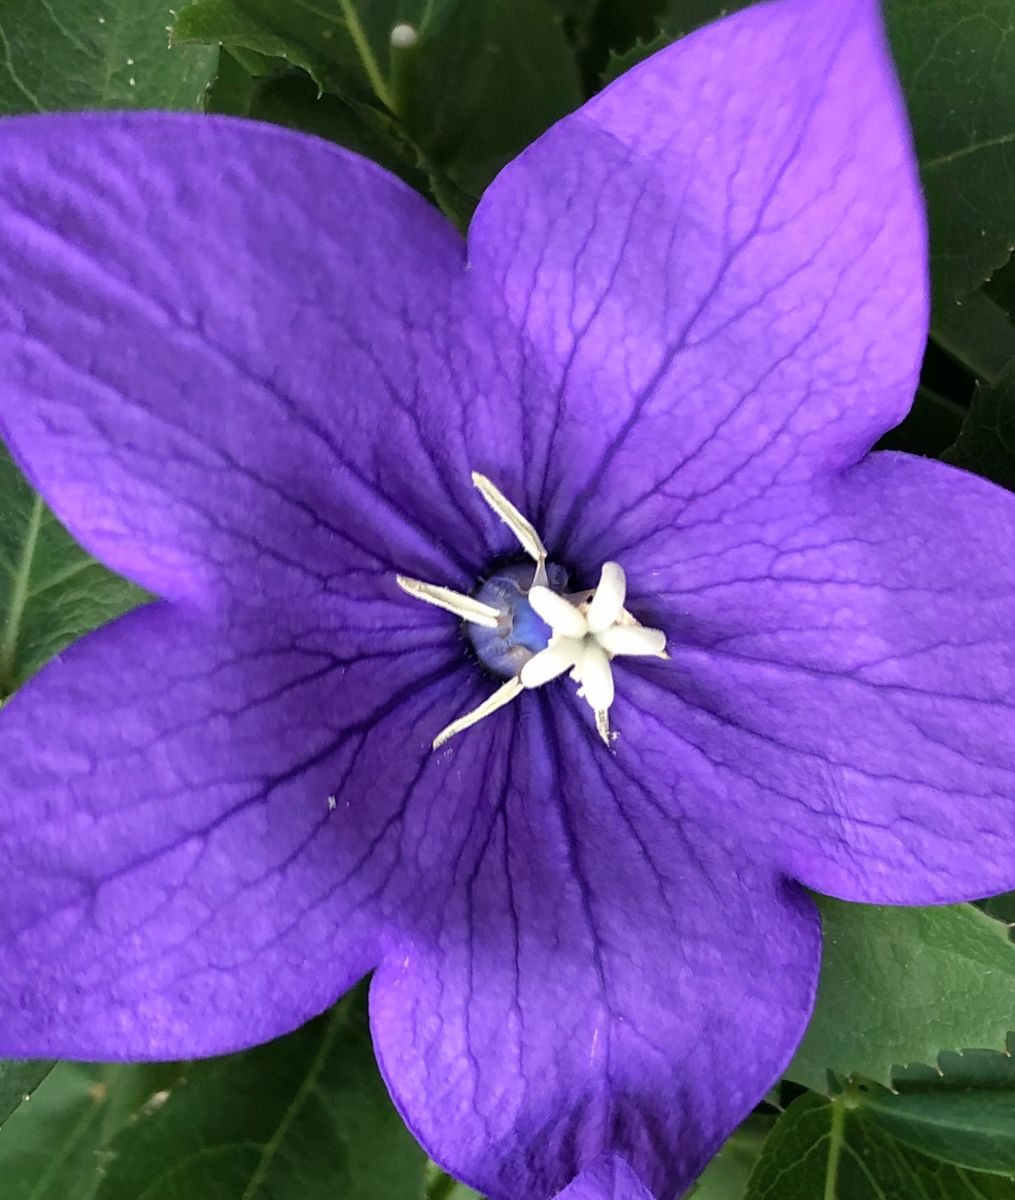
(842, 684)
(720, 263)
(225, 357)
(192, 819)
(609, 1178)
(593, 963)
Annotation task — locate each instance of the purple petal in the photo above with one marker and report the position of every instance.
(177, 882)
(609, 1178)
(594, 963)
(720, 262)
(841, 694)
(226, 357)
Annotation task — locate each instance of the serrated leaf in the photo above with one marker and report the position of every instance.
(830, 1149)
(620, 62)
(65, 54)
(51, 1148)
(51, 591)
(18, 1081)
(609, 29)
(898, 985)
(512, 68)
(317, 39)
(306, 1117)
(293, 101)
(962, 1113)
(986, 444)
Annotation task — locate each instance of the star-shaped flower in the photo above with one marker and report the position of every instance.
(257, 374)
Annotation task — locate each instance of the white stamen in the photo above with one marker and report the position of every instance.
(588, 628)
(520, 526)
(404, 37)
(632, 639)
(560, 656)
(596, 675)
(503, 695)
(558, 613)
(454, 602)
(608, 600)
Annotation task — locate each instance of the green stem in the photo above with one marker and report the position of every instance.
(834, 1149)
(441, 1187)
(373, 71)
(17, 599)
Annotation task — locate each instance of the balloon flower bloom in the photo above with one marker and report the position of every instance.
(534, 626)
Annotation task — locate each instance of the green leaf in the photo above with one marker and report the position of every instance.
(512, 69)
(930, 426)
(51, 591)
(513, 74)
(620, 62)
(962, 1113)
(976, 332)
(1002, 288)
(956, 59)
(18, 1081)
(306, 1117)
(898, 985)
(986, 444)
(608, 29)
(50, 1149)
(1001, 908)
(725, 1177)
(293, 101)
(65, 54)
(439, 1186)
(327, 41)
(822, 1149)
(234, 88)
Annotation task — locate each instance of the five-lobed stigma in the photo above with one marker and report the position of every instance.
(526, 628)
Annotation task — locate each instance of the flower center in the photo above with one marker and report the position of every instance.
(525, 628)
(520, 631)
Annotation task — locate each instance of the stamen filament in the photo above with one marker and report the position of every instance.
(520, 526)
(450, 600)
(503, 695)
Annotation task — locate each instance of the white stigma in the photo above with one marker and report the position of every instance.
(587, 630)
(404, 36)
(587, 634)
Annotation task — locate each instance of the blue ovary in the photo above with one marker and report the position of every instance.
(520, 633)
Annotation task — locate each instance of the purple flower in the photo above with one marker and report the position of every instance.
(256, 374)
